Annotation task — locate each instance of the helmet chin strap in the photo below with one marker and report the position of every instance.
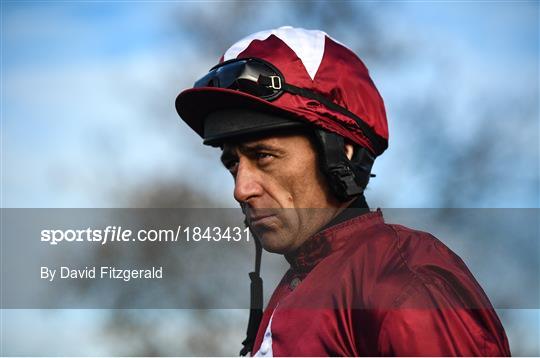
(347, 178)
(256, 297)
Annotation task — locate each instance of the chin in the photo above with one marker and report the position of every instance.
(275, 241)
(275, 248)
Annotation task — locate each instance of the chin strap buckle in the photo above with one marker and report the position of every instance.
(344, 180)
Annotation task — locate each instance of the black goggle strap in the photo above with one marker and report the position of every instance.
(256, 301)
(379, 144)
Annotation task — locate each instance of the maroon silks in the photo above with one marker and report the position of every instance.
(364, 287)
(308, 59)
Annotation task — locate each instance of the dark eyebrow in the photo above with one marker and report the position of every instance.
(256, 147)
(229, 152)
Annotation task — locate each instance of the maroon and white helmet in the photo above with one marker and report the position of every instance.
(294, 73)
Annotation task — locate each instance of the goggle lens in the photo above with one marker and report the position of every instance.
(245, 76)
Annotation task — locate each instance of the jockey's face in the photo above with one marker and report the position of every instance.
(279, 185)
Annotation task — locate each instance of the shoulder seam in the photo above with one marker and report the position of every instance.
(405, 294)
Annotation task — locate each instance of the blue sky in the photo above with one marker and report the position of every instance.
(76, 71)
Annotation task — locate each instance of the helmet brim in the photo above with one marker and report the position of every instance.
(196, 104)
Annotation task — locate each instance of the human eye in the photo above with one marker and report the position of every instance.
(231, 165)
(264, 157)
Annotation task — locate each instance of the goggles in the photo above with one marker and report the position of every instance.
(260, 78)
(253, 76)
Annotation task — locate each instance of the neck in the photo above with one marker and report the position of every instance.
(349, 210)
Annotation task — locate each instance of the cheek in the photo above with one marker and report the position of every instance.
(297, 183)
(291, 190)
(283, 187)
(309, 188)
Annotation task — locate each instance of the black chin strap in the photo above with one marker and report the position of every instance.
(256, 303)
(347, 178)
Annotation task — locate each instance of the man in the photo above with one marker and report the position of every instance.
(300, 123)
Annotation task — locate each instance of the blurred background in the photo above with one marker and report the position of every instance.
(88, 121)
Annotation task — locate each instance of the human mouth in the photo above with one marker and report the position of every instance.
(260, 218)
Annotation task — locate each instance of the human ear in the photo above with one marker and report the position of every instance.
(349, 150)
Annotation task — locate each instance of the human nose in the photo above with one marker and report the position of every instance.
(247, 185)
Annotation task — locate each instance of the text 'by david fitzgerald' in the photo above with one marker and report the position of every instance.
(100, 272)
